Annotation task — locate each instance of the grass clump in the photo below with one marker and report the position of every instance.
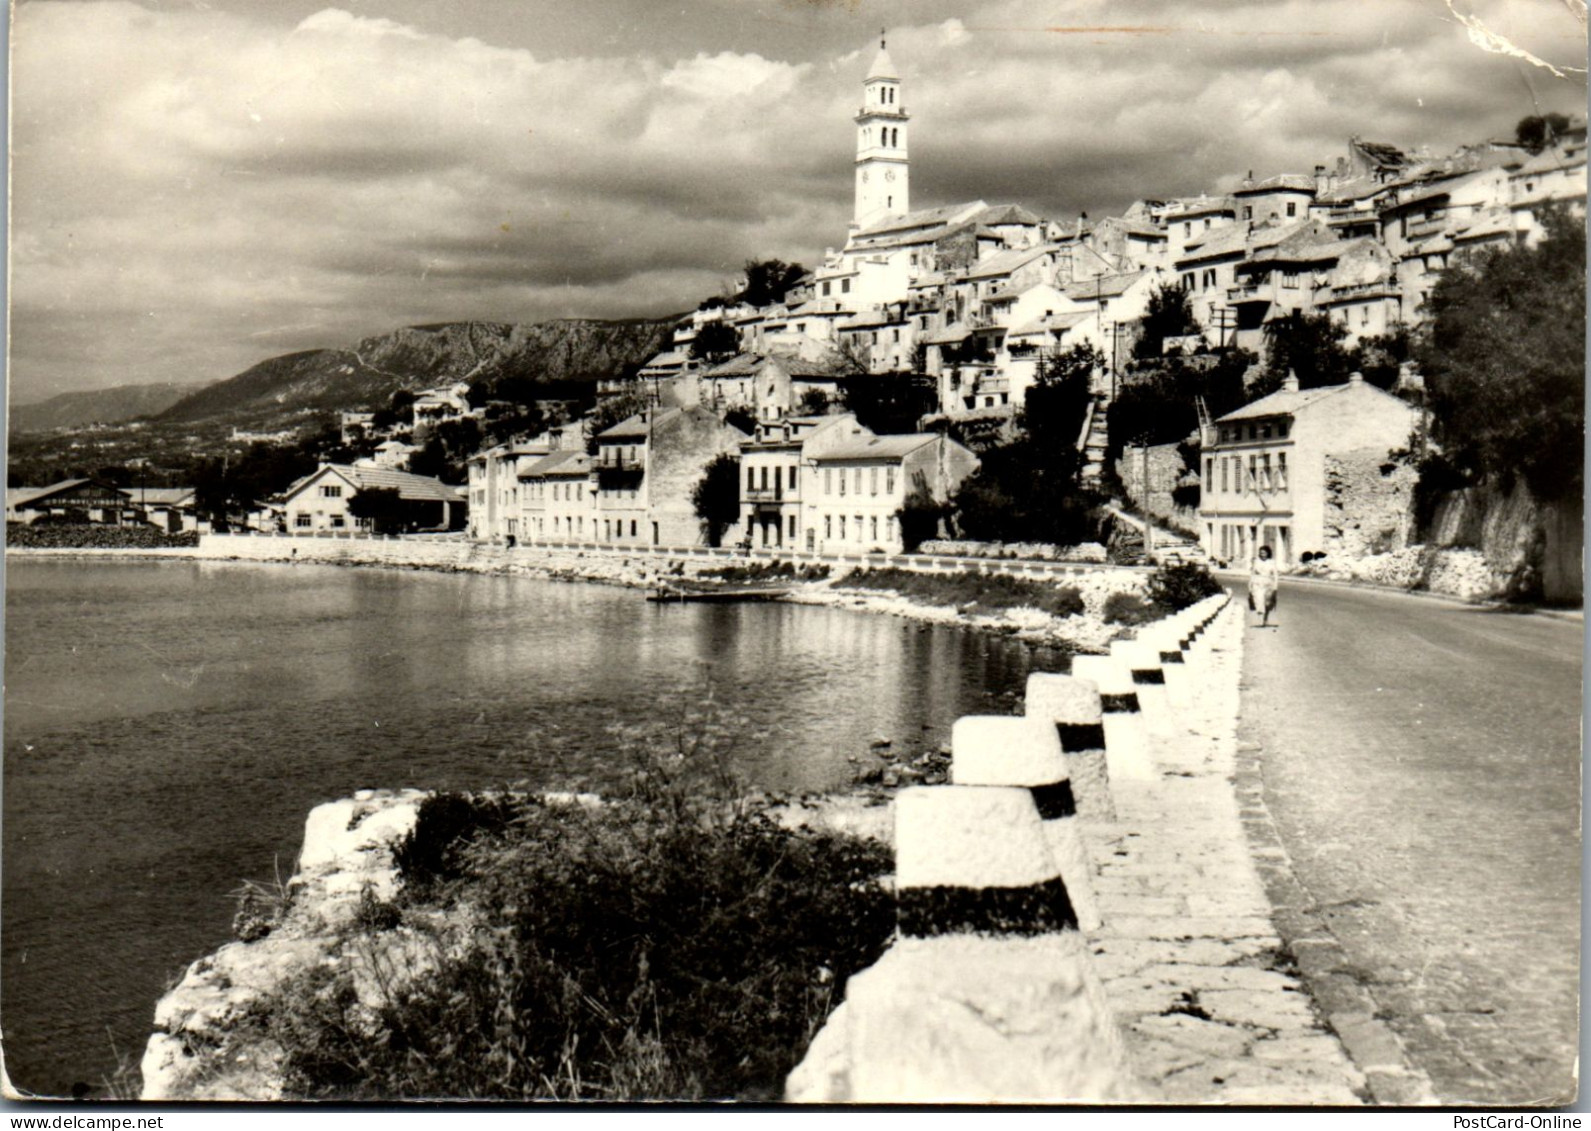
(675, 942)
(972, 592)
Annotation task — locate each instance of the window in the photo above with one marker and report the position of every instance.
(842, 483)
(765, 479)
(792, 477)
(845, 286)
(632, 528)
(330, 491)
(897, 335)
(1225, 487)
(859, 534)
(1281, 471)
(872, 481)
(1209, 471)
(778, 479)
(1265, 471)
(842, 528)
(1292, 208)
(302, 520)
(792, 526)
(889, 481)
(828, 526)
(338, 522)
(826, 286)
(873, 524)
(858, 481)
(1248, 213)
(1187, 229)
(1207, 223)
(751, 478)
(1253, 473)
(828, 484)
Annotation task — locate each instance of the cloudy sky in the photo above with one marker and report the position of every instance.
(200, 184)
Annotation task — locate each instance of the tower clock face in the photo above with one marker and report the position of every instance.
(889, 175)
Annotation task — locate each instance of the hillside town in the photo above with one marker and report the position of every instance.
(962, 309)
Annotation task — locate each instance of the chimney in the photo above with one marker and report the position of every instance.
(1321, 183)
(1290, 385)
(1356, 378)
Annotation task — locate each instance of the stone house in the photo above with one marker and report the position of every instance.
(319, 501)
(645, 470)
(776, 468)
(769, 385)
(1263, 473)
(558, 498)
(855, 490)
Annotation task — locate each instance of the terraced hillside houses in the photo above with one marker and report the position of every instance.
(974, 294)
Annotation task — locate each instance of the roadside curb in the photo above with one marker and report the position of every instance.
(1347, 1006)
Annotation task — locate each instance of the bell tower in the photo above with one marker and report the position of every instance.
(882, 173)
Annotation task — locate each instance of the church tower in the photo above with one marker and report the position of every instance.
(882, 174)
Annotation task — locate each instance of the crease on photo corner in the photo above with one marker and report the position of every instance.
(1488, 40)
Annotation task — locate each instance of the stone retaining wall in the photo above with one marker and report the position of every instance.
(1070, 935)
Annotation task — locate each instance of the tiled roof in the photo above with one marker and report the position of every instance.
(1051, 322)
(17, 496)
(1104, 286)
(1200, 206)
(162, 496)
(1289, 182)
(408, 486)
(1284, 402)
(1006, 214)
(572, 461)
(1005, 262)
(877, 447)
(750, 364)
(1230, 239)
(925, 218)
(948, 335)
(1551, 160)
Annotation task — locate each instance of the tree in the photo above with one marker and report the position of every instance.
(1381, 356)
(381, 507)
(921, 514)
(1537, 132)
(1168, 314)
(769, 280)
(715, 341)
(815, 402)
(716, 496)
(889, 402)
(1159, 405)
(1309, 346)
(1504, 363)
(1028, 490)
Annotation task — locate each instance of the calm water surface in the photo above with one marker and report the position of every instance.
(169, 724)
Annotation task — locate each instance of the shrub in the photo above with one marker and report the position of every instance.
(673, 943)
(1178, 586)
(767, 571)
(1131, 610)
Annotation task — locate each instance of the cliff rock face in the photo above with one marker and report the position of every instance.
(197, 1051)
(569, 352)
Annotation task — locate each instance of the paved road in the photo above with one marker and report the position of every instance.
(1422, 763)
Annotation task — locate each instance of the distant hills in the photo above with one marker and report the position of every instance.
(280, 392)
(96, 406)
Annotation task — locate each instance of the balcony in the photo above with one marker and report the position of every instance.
(765, 494)
(620, 461)
(1420, 229)
(1252, 292)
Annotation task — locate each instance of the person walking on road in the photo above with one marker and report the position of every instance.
(1263, 578)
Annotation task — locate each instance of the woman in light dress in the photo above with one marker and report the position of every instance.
(1263, 578)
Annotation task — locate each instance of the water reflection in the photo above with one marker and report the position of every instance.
(168, 725)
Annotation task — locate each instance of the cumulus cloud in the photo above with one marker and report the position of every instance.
(197, 188)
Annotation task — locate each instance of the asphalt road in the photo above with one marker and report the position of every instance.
(1422, 763)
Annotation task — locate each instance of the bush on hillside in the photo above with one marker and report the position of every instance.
(1131, 610)
(675, 942)
(1176, 587)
